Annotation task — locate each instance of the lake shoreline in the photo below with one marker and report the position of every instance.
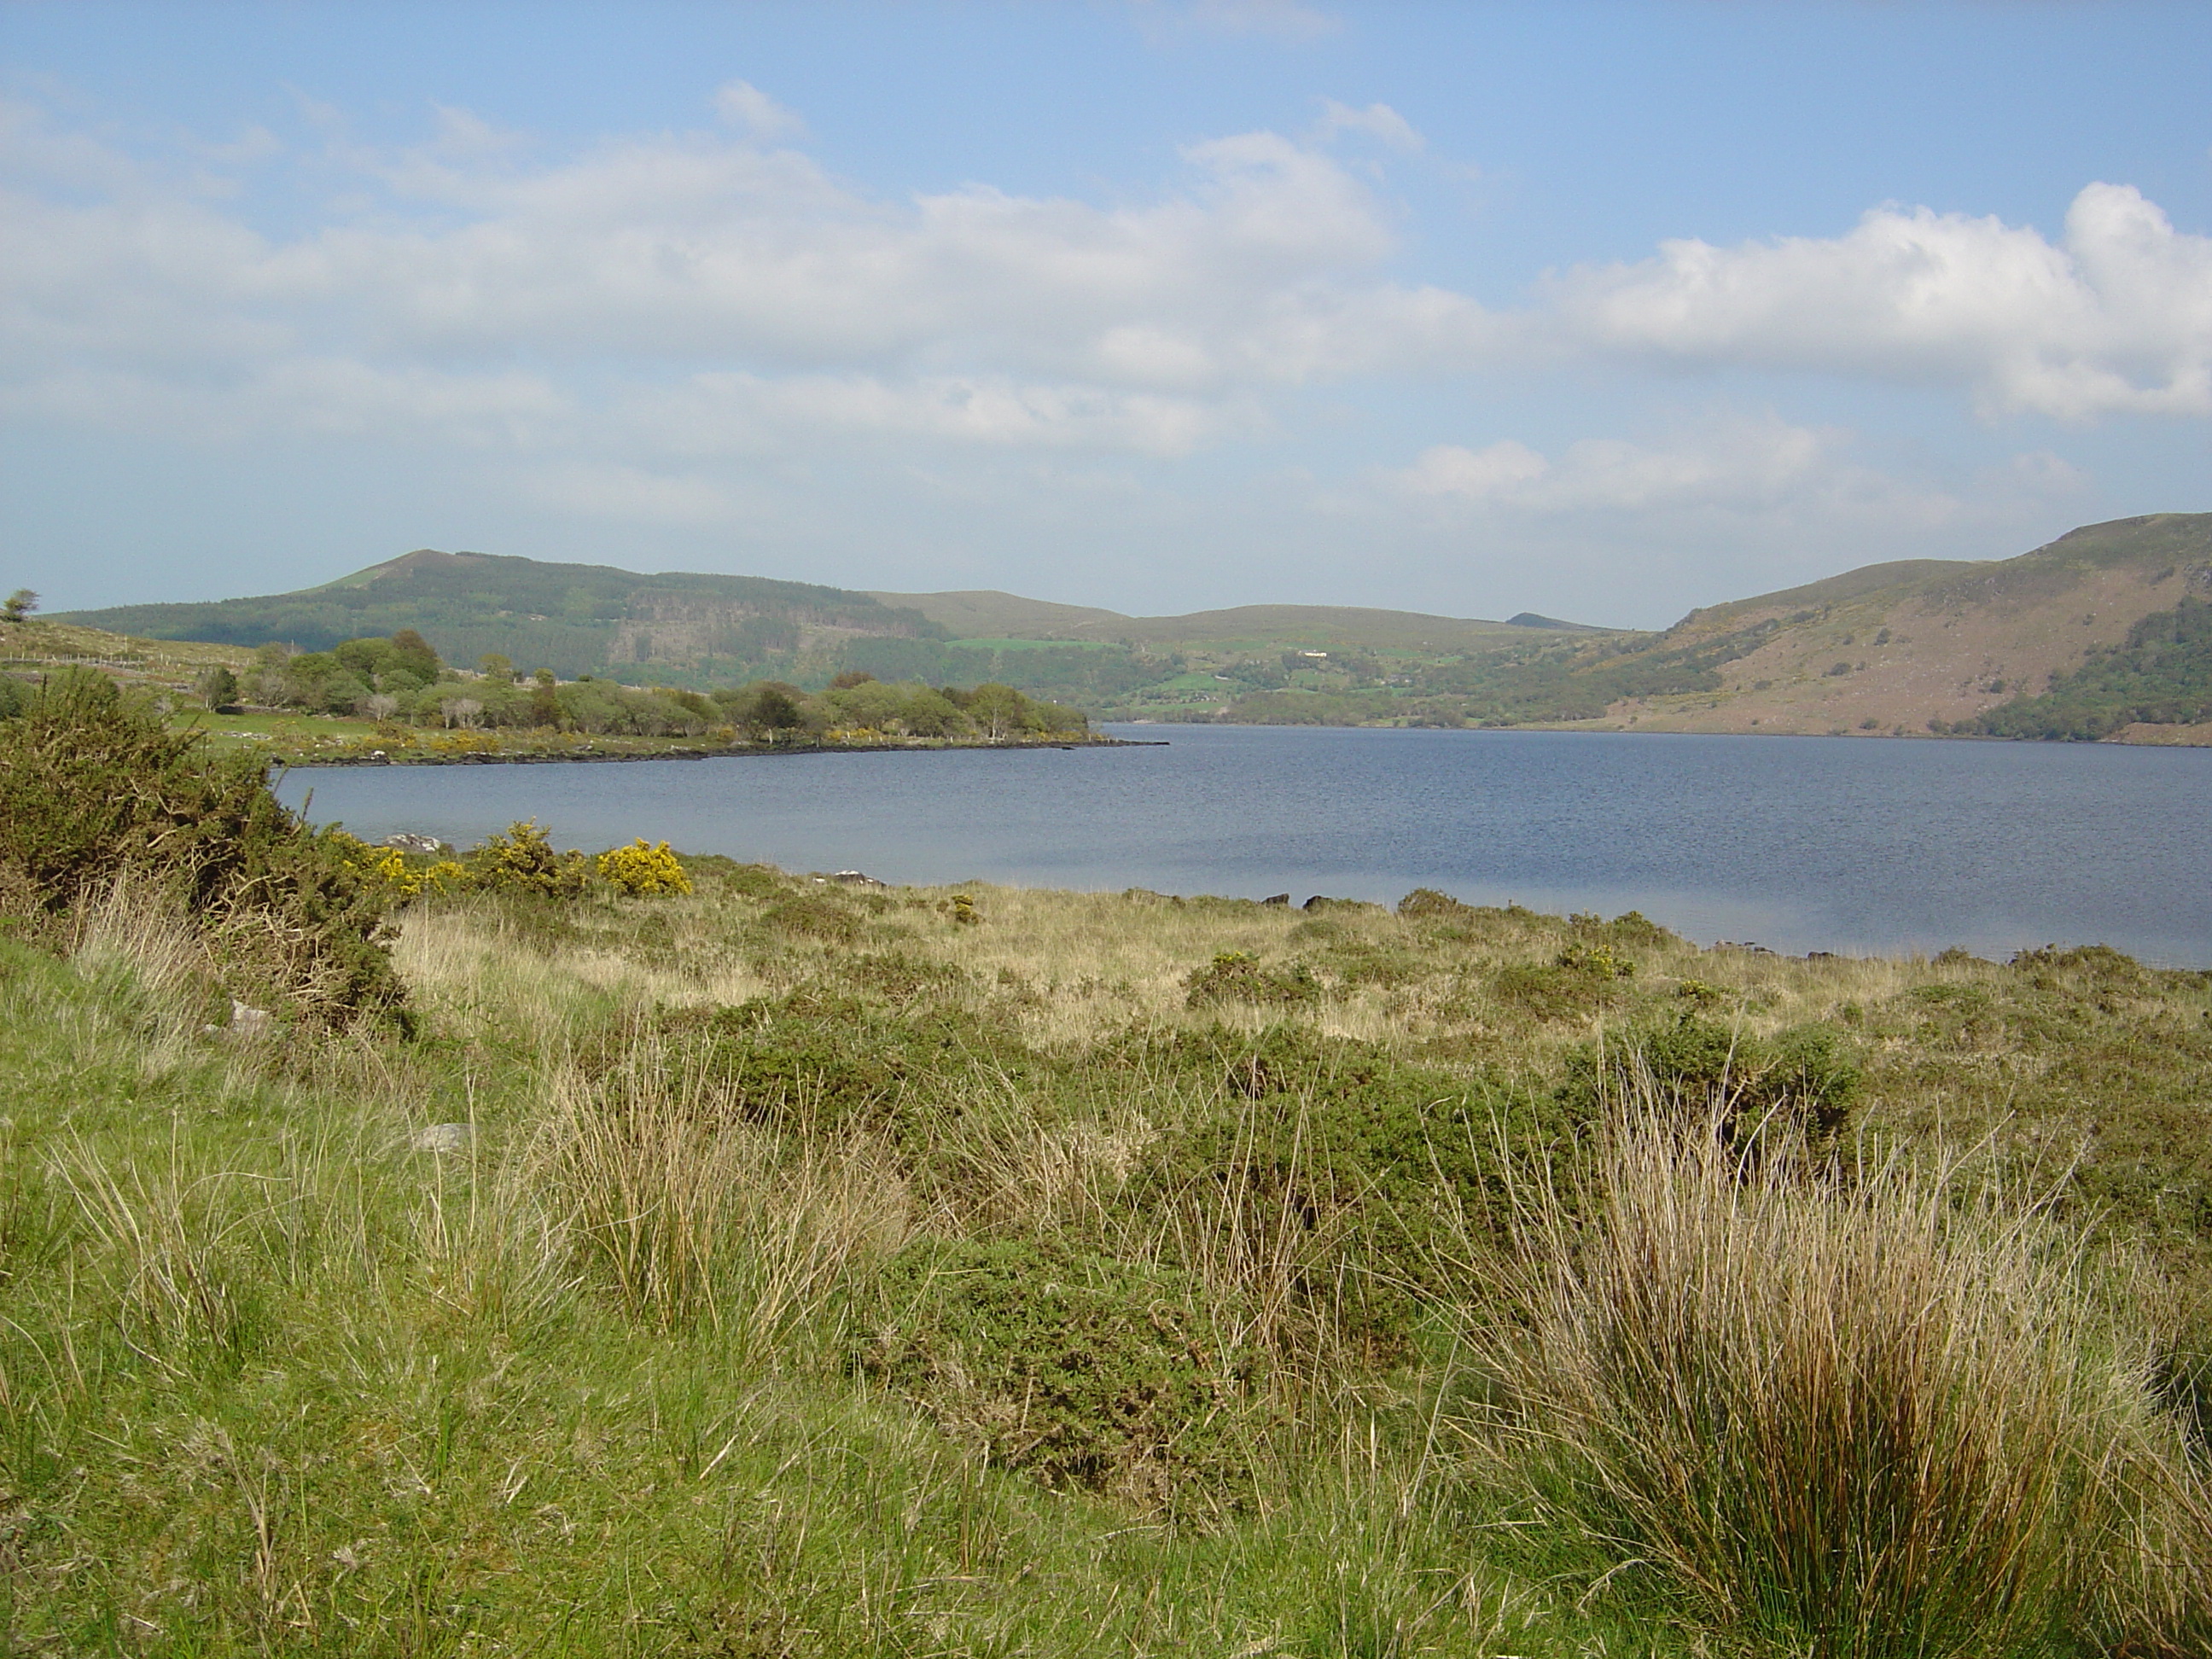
(741, 752)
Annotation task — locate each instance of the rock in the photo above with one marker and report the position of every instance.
(248, 1025)
(442, 1137)
(1283, 899)
(856, 878)
(407, 843)
(1322, 901)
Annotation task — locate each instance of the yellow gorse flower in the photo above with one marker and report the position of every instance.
(641, 869)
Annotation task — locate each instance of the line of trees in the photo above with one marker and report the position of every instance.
(400, 679)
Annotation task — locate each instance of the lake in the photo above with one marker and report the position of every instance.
(1855, 846)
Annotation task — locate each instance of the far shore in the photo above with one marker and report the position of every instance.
(728, 751)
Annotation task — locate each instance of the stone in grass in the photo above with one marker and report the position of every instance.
(407, 842)
(248, 1024)
(442, 1138)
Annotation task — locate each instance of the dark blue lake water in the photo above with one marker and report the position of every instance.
(1798, 843)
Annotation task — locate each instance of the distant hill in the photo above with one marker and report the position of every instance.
(2104, 633)
(1900, 646)
(987, 614)
(1255, 626)
(573, 619)
(692, 629)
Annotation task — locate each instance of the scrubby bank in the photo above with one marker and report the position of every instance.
(108, 818)
(786, 1267)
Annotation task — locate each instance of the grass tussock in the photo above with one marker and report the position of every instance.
(1847, 1409)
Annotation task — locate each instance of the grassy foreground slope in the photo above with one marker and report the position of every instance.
(782, 1267)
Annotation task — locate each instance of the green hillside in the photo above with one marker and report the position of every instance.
(2161, 676)
(573, 619)
(987, 613)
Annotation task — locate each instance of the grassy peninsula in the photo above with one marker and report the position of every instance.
(513, 1251)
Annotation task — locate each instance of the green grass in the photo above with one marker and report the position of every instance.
(826, 1275)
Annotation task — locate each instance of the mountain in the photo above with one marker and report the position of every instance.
(573, 619)
(1252, 627)
(2105, 633)
(1942, 644)
(697, 630)
(987, 614)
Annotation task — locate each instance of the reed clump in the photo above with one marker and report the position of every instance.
(1845, 1406)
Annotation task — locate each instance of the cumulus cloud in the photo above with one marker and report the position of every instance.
(738, 414)
(1377, 121)
(744, 106)
(1728, 465)
(626, 329)
(2115, 317)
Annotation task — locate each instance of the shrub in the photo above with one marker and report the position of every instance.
(523, 860)
(1327, 1183)
(1428, 901)
(98, 796)
(1240, 976)
(388, 867)
(641, 870)
(1702, 1071)
(1858, 1414)
(1089, 1372)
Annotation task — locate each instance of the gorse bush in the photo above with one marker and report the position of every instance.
(1089, 1371)
(1240, 976)
(641, 869)
(1801, 1078)
(98, 797)
(522, 861)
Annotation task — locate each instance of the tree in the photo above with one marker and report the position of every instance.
(497, 668)
(416, 655)
(19, 605)
(218, 686)
(998, 711)
(545, 700)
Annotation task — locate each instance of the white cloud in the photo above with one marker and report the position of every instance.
(1377, 121)
(743, 105)
(2116, 318)
(1477, 475)
(1728, 465)
(737, 413)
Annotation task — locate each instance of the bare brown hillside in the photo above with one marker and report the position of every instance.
(1886, 649)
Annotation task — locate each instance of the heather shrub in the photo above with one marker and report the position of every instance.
(1240, 976)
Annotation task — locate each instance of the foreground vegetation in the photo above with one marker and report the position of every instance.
(694, 1257)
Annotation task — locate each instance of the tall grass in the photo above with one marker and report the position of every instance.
(1856, 1410)
(689, 1214)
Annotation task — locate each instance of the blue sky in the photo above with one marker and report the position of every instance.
(1603, 311)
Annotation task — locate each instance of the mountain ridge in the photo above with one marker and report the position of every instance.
(1897, 647)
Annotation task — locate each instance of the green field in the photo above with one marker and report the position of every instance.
(787, 1267)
